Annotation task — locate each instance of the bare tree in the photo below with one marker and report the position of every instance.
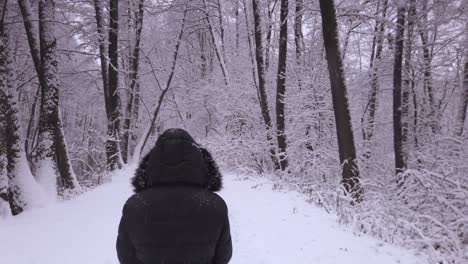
(271, 9)
(133, 89)
(50, 128)
(281, 86)
(344, 129)
(408, 80)
(299, 38)
(113, 99)
(5, 193)
(52, 151)
(19, 186)
(144, 139)
(398, 138)
(262, 96)
(463, 106)
(4, 188)
(427, 58)
(368, 119)
(218, 49)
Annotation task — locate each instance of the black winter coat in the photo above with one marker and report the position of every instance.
(175, 216)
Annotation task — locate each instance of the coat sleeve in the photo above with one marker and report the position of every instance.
(224, 247)
(125, 249)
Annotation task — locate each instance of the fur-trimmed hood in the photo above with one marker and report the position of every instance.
(177, 159)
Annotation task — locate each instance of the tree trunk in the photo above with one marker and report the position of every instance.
(347, 151)
(299, 39)
(48, 116)
(102, 48)
(408, 81)
(281, 85)
(32, 34)
(236, 14)
(5, 209)
(47, 75)
(33, 41)
(369, 112)
(21, 188)
(221, 28)
(134, 66)
(68, 180)
(218, 49)
(112, 96)
(31, 131)
(398, 138)
(262, 96)
(427, 58)
(461, 115)
(269, 33)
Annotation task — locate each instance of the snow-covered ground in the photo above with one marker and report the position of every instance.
(267, 226)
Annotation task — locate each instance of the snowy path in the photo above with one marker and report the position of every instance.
(267, 227)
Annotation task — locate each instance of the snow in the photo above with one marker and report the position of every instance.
(46, 176)
(31, 192)
(268, 226)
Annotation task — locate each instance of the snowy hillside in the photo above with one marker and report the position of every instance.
(267, 226)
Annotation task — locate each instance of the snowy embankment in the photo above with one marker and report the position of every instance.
(267, 227)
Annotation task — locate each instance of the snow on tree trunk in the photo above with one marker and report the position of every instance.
(23, 191)
(110, 80)
(48, 116)
(68, 181)
(114, 158)
(5, 209)
(281, 86)
(61, 158)
(344, 130)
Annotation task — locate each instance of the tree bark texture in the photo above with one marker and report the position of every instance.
(43, 51)
(281, 86)
(400, 159)
(15, 179)
(112, 96)
(262, 96)
(134, 67)
(5, 193)
(346, 147)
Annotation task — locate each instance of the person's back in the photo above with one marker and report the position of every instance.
(174, 217)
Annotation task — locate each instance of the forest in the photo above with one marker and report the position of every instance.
(359, 104)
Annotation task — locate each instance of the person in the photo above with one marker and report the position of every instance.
(174, 215)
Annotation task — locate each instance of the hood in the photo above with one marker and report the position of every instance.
(177, 159)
